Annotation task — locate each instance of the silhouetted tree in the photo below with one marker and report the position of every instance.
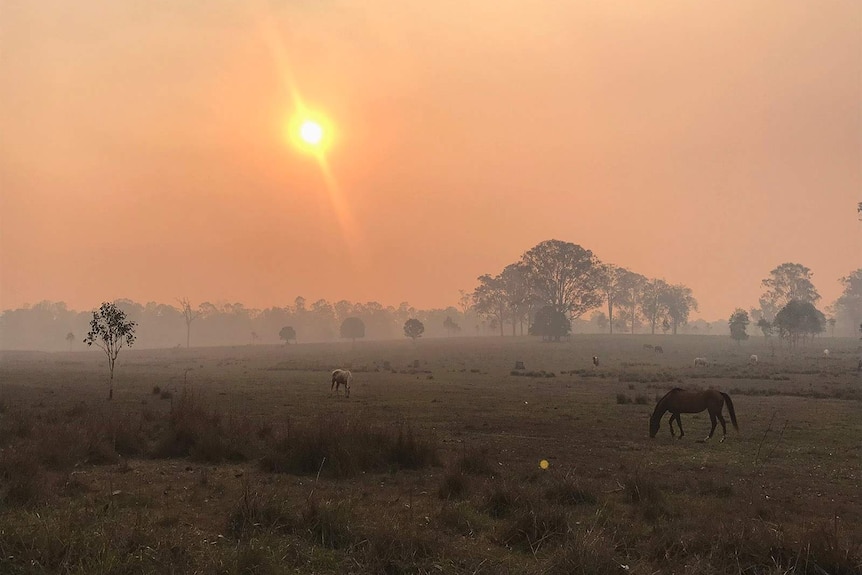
(632, 285)
(798, 319)
(601, 320)
(665, 326)
(611, 280)
(70, 337)
(563, 275)
(352, 328)
(287, 333)
(451, 326)
(490, 300)
(848, 306)
(738, 323)
(765, 326)
(413, 328)
(653, 302)
(109, 331)
(254, 337)
(518, 294)
(785, 283)
(551, 324)
(679, 303)
(189, 315)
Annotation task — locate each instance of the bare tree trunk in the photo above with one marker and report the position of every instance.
(611, 315)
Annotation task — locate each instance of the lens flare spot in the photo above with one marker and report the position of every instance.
(544, 464)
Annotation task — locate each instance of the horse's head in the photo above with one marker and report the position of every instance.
(654, 423)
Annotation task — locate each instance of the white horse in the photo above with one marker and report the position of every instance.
(341, 377)
(753, 359)
(701, 361)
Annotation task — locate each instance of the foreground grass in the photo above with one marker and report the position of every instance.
(416, 475)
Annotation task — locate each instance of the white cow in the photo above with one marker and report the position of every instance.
(825, 353)
(701, 361)
(752, 360)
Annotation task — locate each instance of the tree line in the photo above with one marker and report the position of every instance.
(556, 282)
(545, 293)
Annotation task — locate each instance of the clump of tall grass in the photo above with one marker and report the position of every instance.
(340, 447)
(197, 432)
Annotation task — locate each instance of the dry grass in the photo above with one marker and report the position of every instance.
(255, 467)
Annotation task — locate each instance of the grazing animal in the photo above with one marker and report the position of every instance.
(678, 401)
(341, 377)
(658, 349)
(825, 353)
(752, 360)
(701, 361)
(596, 360)
(519, 365)
(647, 346)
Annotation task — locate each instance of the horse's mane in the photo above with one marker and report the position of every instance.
(664, 397)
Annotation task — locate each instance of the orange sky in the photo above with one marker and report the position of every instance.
(143, 155)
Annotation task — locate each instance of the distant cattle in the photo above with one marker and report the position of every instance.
(647, 346)
(698, 361)
(658, 349)
(825, 353)
(596, 361)
(752, 360)
(519, 365)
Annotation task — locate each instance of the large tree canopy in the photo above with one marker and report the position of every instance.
(798, 320)
(564, 275)
(785, 283)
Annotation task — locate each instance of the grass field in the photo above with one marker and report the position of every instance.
(240, 460)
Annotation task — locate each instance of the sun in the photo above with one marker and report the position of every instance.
(311, 132)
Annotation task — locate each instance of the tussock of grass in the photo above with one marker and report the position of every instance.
(566, 491)
(197, 432)
(340, 447)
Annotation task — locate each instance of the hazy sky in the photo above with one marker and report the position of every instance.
(143, 146)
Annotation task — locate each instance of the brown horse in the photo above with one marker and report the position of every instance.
(678, 401)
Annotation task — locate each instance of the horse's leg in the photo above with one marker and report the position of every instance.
(670, 423)
(679, 424)
(723, 427)
(712, 430)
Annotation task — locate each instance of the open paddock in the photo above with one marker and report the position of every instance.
(444, 459)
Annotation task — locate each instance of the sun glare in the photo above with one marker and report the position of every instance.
(311, 132)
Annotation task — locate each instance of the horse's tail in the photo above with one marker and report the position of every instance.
(730, 410)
